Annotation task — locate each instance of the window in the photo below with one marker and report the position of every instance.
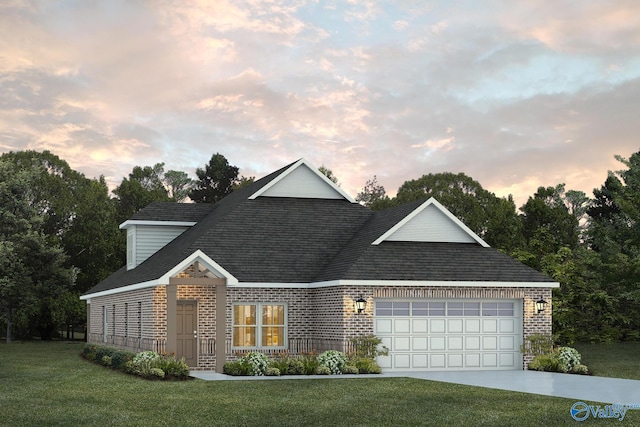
(259, 325)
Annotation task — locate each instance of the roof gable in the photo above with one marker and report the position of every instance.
(301, 180)
(430, 222)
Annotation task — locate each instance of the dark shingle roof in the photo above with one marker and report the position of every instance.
(171, 211)
(296, 240)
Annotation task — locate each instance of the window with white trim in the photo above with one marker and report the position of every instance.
(259, 325)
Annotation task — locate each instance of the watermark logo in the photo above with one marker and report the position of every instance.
(580, 411)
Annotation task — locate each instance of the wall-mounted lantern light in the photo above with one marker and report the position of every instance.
(540, 305)
(360, 304)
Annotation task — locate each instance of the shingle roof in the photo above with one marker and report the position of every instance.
(296, 240)
(171, 211)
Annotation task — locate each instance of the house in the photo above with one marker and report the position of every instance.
(282, 263)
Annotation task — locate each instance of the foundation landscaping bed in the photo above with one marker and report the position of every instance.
(146, 364)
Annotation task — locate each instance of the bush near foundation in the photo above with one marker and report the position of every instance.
(147, 364)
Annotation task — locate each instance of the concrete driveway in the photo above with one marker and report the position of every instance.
(579, 387)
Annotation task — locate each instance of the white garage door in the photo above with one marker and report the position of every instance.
(449, 334)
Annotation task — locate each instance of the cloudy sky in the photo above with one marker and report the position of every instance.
(514, 94)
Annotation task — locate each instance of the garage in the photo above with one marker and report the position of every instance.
(449, 334)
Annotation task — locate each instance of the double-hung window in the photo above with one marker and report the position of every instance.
(259, 325)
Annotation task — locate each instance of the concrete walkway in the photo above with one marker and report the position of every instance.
(579, 387)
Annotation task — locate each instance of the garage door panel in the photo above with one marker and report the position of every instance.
(472, 360)
(472, 343)
(507, 360)
(438, 361)
(454, 343)
(472, 326)
(402, 361)
(507, 326)
(384, 326)
(437, 326)
(489, 326)
(507, 343)
(468, 334)
(420, 360)
(402, 326)
(489, 343)
(489, 360)
(419, 326)
(454, 360)
(401, 344)
(454, 326)
(438, 343)
(420, 344)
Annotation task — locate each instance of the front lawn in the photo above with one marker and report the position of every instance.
(49, 384)
(617, 360)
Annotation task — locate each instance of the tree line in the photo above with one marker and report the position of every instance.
(59, 236)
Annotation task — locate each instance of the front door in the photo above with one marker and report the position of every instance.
(187, 332)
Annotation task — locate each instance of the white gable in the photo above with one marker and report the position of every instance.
(302, 180)
(431, 222)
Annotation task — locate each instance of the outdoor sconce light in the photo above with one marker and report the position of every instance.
(540, 305)
(360, 303)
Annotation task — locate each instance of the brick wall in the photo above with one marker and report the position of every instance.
(317, 319)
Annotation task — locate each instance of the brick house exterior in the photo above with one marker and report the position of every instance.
(277, 266)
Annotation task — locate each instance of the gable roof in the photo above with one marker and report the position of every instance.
(251, 238)
(300, 179)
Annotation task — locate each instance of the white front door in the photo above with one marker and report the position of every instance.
(459, 334)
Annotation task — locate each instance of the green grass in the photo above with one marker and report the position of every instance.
(617, 360)
(49, 384)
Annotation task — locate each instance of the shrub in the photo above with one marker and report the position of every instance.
(155, 373)
(106, 361)
(145, 355)
(89, 351)
(295, 366)
(236, 368)
(334, 360)
(350, 369)
(369, 346)
(258, 362)
(323, 370)
(580, 370)
(309, 363)
(272, 372)
(568, 357)
(367, 365)
(282, 362)
(545, 362)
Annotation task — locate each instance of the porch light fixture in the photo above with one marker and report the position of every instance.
(360, 304)
(540, 305)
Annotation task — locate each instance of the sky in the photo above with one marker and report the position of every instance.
(516, 95)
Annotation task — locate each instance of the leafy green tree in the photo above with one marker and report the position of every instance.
(215, 181)
(32, 268)
(547, 223)
(373, 195)
(492, 218)
(143, 186)
(178, 185)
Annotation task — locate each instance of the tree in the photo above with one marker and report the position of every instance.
(547, 222)
(178, 185)
(329, 174)
(32, 268)
(492, 218)
(373, 195)
(215, 181)
(144, 185)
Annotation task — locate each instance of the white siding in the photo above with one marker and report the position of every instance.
(304, 183)
(431, 225)
(149, 239)
(144, 240)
